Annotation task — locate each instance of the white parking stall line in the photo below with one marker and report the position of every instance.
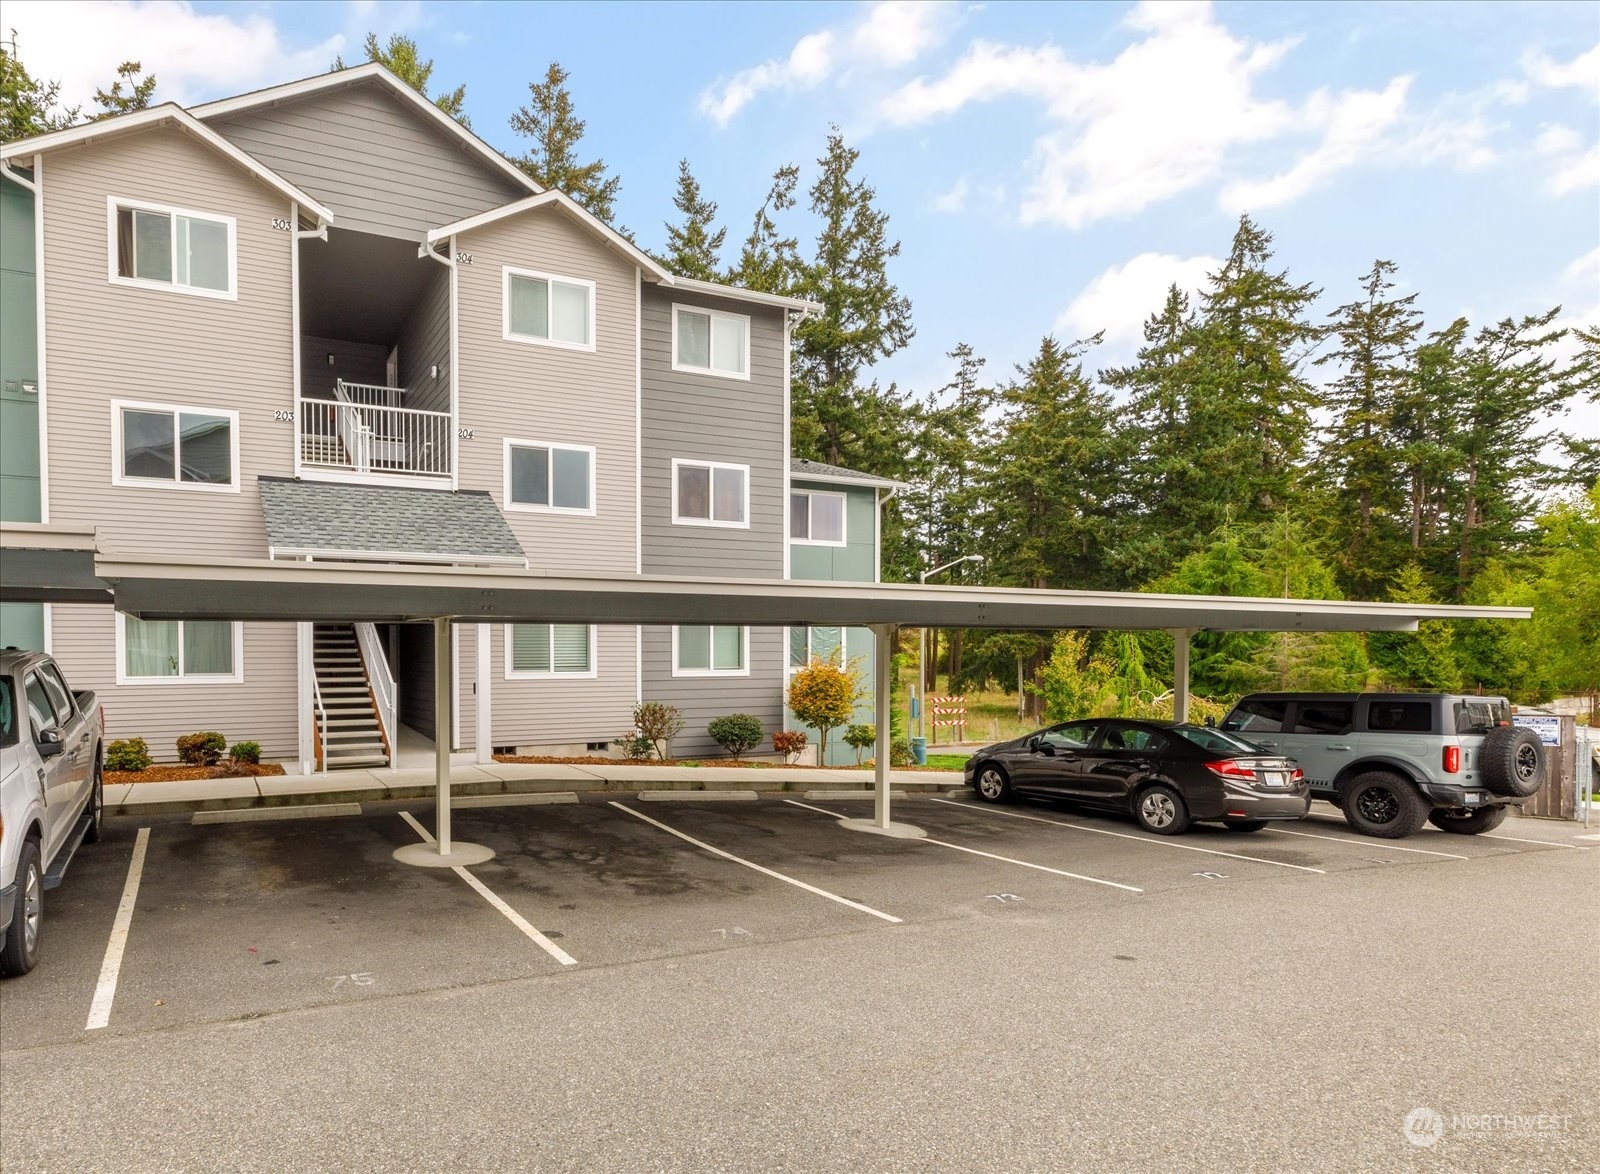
(990, 855)
(1372, 842)
(105, 991)
(1541, 843)
(788, 880)
(1128, 836)
(488, 895)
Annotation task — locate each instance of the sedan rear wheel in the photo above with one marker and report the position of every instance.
(1162, 810)
(993, 786)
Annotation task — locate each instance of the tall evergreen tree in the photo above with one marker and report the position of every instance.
(28, 106)
(865, 317)
(770, 261)
(1425, 424)
(693, 248)
(1359, 463)
(554, 132)
(1582, 381)
(140, 90)
(401, 57)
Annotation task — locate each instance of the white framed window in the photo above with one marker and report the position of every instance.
(816, 518)
(548, 310)
(549, 478)
(154, 246)
(550, 650)
(165, 652)
(702, 650)
(710, 342)
(707, 493)
(175, 446)
(808, 644)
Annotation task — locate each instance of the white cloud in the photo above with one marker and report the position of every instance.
(1575, 172)
(193, 55)
(955, 199)
(891, 35)
(1353, 124)
(1119, 300)
(1556, 139)
(1582, 72)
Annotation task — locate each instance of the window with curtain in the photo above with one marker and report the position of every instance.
(706, 649)
(816, 518)
(180, 249)
(708, 341)
(808, 644)
(176, 445)
(158, 649)
(546, 649)
(550, 476)
(708, 494)
(542, 308)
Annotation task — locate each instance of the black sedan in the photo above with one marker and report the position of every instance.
(1165, 774)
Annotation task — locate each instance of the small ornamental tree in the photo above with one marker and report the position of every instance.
(823, 696)
(737, 733)
(659, 722)
(859, 738)
(789, 743)
(202, 749)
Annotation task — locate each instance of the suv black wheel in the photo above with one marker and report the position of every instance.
(1378, 803)
(1512, 761)
(21, 949)
(1468, 823)
(993, 786)
(1160, 809)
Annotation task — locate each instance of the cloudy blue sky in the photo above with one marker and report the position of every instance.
(1048, 168)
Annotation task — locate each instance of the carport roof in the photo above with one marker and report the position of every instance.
(179, 587)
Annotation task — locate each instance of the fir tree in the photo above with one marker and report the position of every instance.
(140, 90)
(554, 132)
(769, 261)
(693, 249)
(401, 58)
(30, 107)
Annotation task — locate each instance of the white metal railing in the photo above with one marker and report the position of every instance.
(322, 724)
(365, 430)
(384, 688)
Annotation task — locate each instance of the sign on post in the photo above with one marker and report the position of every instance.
(1547, 726)
(949, 711)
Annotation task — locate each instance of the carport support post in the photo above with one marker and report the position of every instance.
(1180, 673)
(444, 655)
(883, 672)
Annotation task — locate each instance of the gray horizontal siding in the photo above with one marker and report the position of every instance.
(554, 710)
(702, 698)
(702, 417)
(424, 344)
(379, 165)
(354, 362)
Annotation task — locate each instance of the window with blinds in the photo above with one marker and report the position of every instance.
(550, 649)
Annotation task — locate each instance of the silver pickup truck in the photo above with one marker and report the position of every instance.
(51, 751)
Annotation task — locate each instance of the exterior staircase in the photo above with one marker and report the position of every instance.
(354, 735)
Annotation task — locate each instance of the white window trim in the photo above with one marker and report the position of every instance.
(507, 272)
(119, 478)
(231, 294)
(739, 672)
(688, 370)
(234, 678)
(516, 674)
(530, 508)
(844, 517)
(677, 520)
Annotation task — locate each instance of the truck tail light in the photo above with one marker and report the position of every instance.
(1452, 760)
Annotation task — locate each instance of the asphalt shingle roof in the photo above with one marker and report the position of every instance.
(305, 517)
(824, 471)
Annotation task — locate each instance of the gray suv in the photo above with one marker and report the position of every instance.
(1392, 761)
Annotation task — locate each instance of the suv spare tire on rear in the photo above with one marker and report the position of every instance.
(1513, 762)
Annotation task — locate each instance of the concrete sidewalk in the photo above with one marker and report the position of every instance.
(495, 778)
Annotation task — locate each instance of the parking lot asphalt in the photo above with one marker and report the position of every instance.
(1029, 987)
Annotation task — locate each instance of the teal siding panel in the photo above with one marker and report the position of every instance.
(19, 359)
(855, 562)
(22, 626)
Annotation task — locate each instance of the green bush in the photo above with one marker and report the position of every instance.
(900, 752)
(202, 749)
(246, 752)
(128, 754)
(659, 722)
(738, 733)
(635, 746)
(859, 738)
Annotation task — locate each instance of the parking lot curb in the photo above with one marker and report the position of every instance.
(841, 796)
(682, 796)
(259, 814)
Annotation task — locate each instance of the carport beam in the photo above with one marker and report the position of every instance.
(444, 651)
(1180, 673)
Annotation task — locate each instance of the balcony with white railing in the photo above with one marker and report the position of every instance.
(366, 430)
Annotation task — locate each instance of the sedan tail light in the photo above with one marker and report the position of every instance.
(1229, 768)
(1297, 775)
(1452, 760)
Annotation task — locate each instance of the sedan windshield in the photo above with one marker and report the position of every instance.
(1211, 739)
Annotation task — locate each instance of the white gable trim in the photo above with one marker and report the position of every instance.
(158, 116)
(354, 76)
(567, 204)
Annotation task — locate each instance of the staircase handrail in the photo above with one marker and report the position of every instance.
(321, 714)
(385, 690)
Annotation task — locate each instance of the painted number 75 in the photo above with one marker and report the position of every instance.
(362, 979)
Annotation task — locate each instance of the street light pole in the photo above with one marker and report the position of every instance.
(922, 643)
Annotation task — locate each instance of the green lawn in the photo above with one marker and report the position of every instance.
(947, 761)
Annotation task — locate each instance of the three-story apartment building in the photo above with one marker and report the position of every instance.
(325, 321)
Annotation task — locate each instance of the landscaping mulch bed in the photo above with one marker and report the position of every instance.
(161, 773)
(745, 762)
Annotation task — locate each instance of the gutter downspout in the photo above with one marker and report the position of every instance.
(16, 177)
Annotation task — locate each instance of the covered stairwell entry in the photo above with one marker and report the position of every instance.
(351, 729)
